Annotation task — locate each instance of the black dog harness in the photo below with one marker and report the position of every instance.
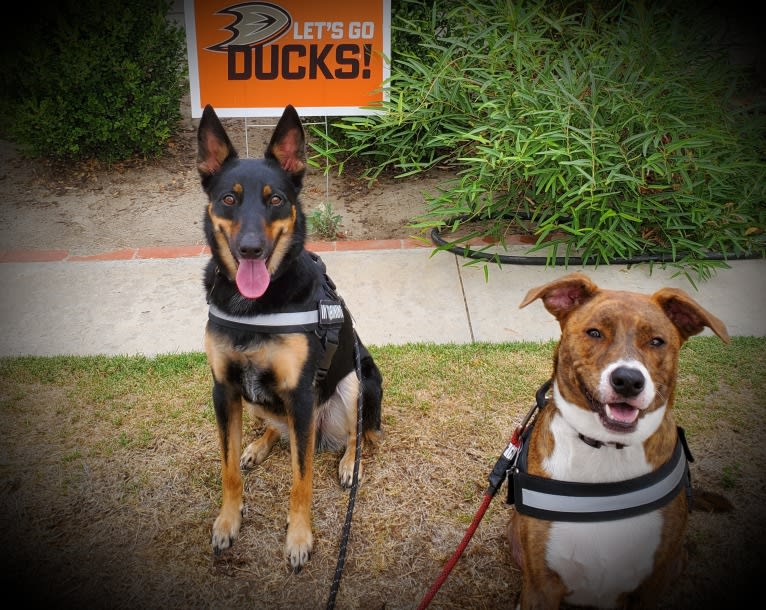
(325, 318)
(555, 500)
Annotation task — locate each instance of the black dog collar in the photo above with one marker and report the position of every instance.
(598, 444)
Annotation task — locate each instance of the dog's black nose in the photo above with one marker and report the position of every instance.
(250, 246)
(626, 381)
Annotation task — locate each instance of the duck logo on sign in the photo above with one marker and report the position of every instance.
(255, 23)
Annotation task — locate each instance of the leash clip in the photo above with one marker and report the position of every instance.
(505, 463)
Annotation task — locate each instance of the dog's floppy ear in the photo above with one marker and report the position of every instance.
(288, 144)
(688, 316)
(563, 295)
(213, 145)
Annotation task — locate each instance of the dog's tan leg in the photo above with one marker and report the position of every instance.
(650, 593)
(259, 450)
(538, 598)
(226, 526)
(346, 464)
(541, 589)
(670, 558)
(300, 540)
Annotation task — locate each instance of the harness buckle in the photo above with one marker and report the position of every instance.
(330, 343)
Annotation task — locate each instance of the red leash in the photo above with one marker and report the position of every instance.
(458, 552)
(496, 478)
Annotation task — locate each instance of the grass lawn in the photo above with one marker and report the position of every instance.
(109, 471)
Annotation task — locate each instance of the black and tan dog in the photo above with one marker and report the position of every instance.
(278, 339)
(601, 485)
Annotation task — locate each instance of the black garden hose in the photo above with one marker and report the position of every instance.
(513, 259)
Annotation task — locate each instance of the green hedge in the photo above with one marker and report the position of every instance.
(93, 79)
(616, 127)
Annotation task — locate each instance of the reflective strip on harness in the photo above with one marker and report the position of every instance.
(570, 501)
(285, 322)
(326, 319)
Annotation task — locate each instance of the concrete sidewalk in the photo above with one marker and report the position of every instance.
(157, 305)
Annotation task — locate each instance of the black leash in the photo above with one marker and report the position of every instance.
(354, 484)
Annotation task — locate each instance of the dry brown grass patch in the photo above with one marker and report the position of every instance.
(109, 474)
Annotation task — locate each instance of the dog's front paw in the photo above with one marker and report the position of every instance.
(225, 530)
(346, 469)
(300, 542)
(259, 450)
(254, 454)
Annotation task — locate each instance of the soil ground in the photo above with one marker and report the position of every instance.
(91, 208)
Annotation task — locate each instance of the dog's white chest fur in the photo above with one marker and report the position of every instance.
(598, 561)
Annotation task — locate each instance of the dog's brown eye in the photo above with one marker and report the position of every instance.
(275, 200)
(594, 332)
(657, 342)
(229, 199)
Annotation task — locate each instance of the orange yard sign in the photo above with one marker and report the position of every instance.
(325, 57)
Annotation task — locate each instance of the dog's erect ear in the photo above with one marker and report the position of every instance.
(563, 295)
(288, 144)
(688, 316)
(213, 145)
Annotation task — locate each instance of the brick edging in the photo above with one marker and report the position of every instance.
(161, 252)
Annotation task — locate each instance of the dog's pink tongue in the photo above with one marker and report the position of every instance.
(252, 278)
(622, 413)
